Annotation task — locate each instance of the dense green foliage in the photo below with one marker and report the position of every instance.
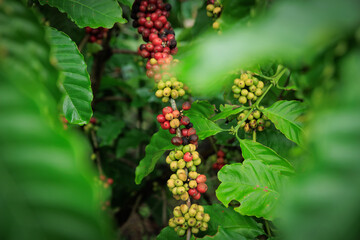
(76, 116)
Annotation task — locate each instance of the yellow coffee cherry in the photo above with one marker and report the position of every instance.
(216, 25)
(210, 7)
(217, 10)
(159, 93)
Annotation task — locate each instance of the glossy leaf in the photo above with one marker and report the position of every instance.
(76, 84)
(255, 185)
(285, 116)
(255, 150)
(46, 182)
(92, 13)
(110, 130)
(159, 143)
(128, 3)
(199, 115)
(227, 111)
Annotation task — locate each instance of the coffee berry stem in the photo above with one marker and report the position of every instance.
(174, 107)
(254, 136)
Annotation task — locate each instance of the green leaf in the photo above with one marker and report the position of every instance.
(255, 185)
(46, 180)
(201, 108)
(92, 13)
(110, 130)
(131, 139)
(76, 84)
(290, 30)
(199, 115)
(159, 143)
(168, 233)
(285, 115)
(227, 111)
(255, 150)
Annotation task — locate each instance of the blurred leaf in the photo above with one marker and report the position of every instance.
(285, 116)
(255, 185)
(110, 130)
(323, 203)
(227, 111)
(290, 31)
(169, 233)
(76, 83)
(159, 143)
(132, 139)
(255, 150)
(92, 13)
(46, 182)
(199, 115)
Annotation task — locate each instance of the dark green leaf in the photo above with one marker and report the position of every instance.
(92, 13)
(159, 143)
(76, 83)
(128, 3)
(169, 233)
(285, 115)
(199, 115)
(227, 111)
(131, 139)
(109, 131)
(255, 150)
(255, 185)
(46, 182)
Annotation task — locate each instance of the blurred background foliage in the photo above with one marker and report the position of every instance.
(47, 182)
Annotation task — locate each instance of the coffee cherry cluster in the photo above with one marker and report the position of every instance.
(96, 34)
(169, 119)
(255, 121)
(184, 157)
(171, 88)
(247, 88)
(178, 186)
(220, 162)
(197, 185)
(189, 217)
(214, 9)
(150, 18)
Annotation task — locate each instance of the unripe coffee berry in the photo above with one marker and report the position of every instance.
(169, 116)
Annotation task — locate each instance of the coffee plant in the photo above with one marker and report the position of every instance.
(172, 119)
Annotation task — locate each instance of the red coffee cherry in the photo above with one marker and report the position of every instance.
(177, 141)
(202, 187)
(191, 131)
(184, 132)
(193, 138)
(186, 106)
(201, 178)
(185, 120)
(110, 181)
(172, 130)
(197, 196)
(192, 192)
(166, 110)
(160, 118)
(165, 125)
(188, 157)
(220, 153)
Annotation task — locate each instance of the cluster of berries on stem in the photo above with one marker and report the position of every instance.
(220, 160)
(213, 10)
(255, 121)
(96, 34)
(150, 19)
(247, 88)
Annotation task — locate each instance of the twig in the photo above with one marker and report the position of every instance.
(96, 150)
(83, 42)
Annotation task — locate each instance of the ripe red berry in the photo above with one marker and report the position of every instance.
(154, 17)
(156, 41)
(158, 24)
(202, 187)
(158, 48)
(160, 118)
(197, 196)
(152, 36)
(201, 178)
(185, 120)
(102, 177)
(221, 154)
(149, 47)
(162, 19)
(165, 125)
(177, 141)
(220, 160)
(158, 55)
(110, 181)
(166, 110)
(176, 113)
(192, 192)
(144, 54)
(191, 131)
(93, 120)
(150, 73)
(149, 24)
(186, 105)
(184, 132)
(188, 157)
(142, 21)
(172, 130)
